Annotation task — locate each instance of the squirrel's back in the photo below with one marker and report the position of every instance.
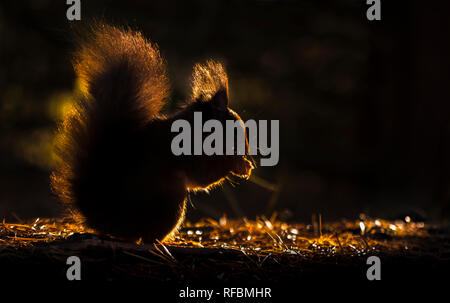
(101, 145)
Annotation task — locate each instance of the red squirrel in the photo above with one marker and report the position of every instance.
(116, 168)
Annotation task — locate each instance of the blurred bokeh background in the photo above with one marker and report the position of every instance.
(363, 106)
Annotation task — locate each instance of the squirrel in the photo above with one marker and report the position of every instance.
(116, 171)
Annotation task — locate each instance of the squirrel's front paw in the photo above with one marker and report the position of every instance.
(243, 168)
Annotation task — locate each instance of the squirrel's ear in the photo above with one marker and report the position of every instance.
(210, 83)
(220, 99)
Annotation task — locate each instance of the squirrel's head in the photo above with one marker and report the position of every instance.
(210, 97)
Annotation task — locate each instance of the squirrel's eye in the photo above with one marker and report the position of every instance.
(219, 109)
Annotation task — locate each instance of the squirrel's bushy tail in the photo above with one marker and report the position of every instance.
(124, 85)
(121, 70)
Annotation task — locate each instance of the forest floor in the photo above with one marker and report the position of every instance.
(242, 252)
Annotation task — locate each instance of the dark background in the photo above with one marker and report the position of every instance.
(363, 106)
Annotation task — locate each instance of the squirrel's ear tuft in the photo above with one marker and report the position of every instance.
(210, 81)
